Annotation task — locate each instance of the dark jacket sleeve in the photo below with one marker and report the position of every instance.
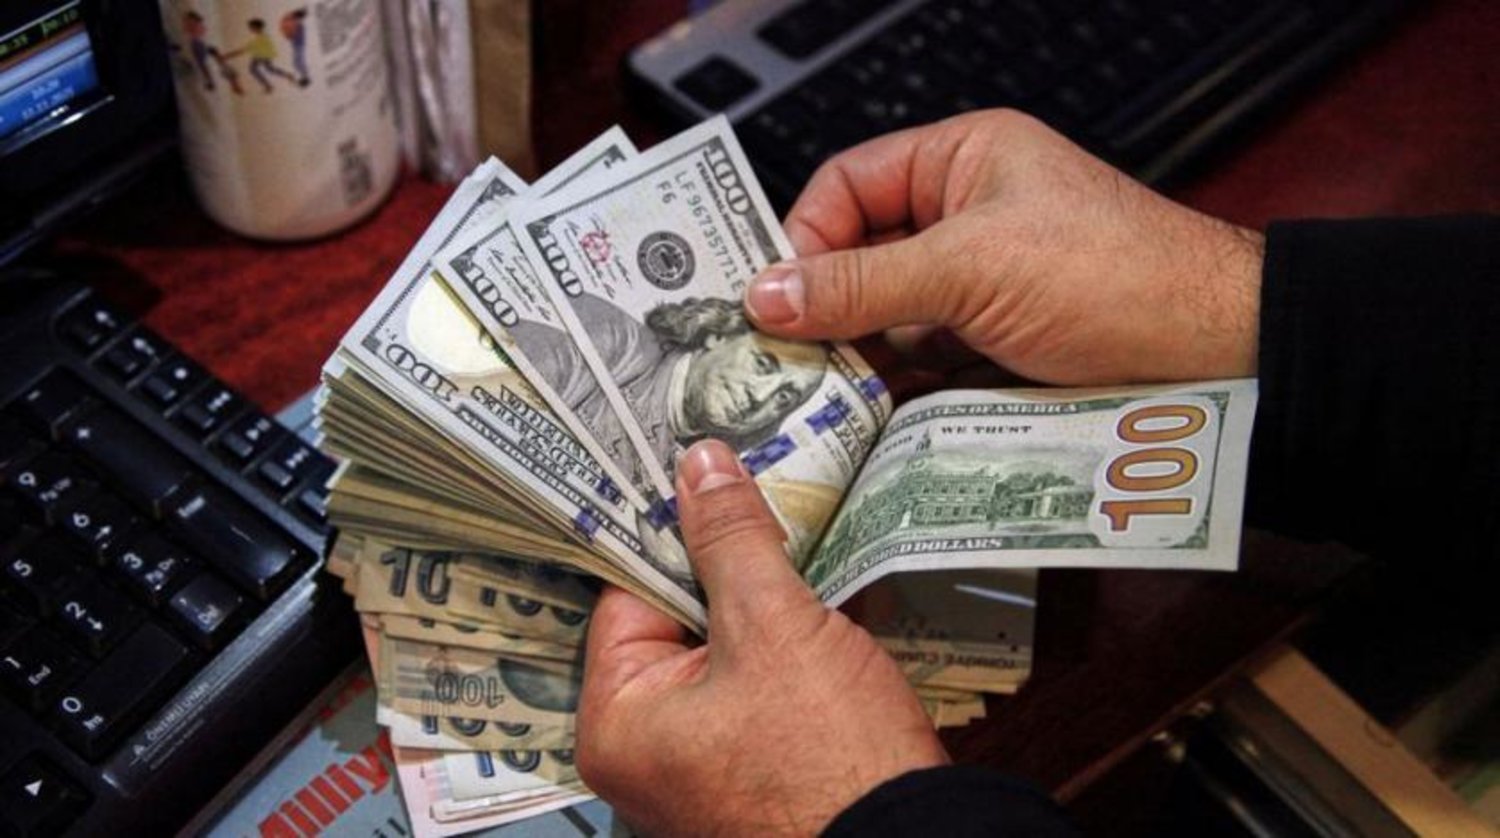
(1380, 387)
(953, 801)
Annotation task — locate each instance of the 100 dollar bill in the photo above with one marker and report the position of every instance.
(429, 353)
(490, 273)
(1140, 477)
(648, 270)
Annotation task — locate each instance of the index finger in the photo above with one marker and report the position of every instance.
(626, 635)
(893, 181)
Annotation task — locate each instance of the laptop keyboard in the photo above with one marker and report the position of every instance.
(125, 564)
(1134, 81)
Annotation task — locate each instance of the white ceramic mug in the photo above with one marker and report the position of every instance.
(288, 128)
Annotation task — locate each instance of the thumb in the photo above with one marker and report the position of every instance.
(732, 539)
(848, 293)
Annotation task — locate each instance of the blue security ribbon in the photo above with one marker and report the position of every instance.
(768, 453)
(662, 514)
(829, 416)
(586, 523)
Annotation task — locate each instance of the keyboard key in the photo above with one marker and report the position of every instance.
(144, 468)
(100, 523)
(36, 798)
(122, 363)
(866, 68)
(135, 352)
(51, 482)
(154, 566)
(171, 381)
(96, 617)
(906, 43)
(41, 571)
(50, 400)
(94, 712)
(91, 325)
(36, 667)
(209, 609)
(716, 83)
(248, 437)
(233, 538)
(292, 462)
(312, 504)
(276, 476)
(209, 409)
(802, 29)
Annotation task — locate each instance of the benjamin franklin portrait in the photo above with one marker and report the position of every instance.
(695, 369)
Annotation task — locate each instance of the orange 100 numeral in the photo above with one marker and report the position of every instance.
(1190, 420)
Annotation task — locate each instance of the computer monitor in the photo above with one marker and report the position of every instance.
(85, 105)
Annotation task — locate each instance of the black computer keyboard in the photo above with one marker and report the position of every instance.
(161, 611)
(1148, 84)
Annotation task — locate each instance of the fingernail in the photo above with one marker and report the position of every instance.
(777, 295)
(709, 465)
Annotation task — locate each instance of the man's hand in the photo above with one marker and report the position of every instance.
(787, 715)
(1037, 255)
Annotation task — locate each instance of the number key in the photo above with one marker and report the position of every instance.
(154, 567)
(42, 571)
(100, 523)
(37, 666)
(96, 617)
(51, 482)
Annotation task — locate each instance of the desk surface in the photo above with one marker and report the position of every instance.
(1411, 125)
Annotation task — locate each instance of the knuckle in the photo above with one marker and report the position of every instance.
(845, 286)
(1010, 120)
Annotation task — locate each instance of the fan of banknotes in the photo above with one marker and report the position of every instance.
(510, 407)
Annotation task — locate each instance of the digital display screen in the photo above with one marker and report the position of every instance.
(46, 63)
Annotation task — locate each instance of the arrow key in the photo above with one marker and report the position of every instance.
(36, 798)
(96, 617)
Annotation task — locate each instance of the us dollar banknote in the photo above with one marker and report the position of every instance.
(430, 354)
(648, 270)
(490, 273)
(1143, 477)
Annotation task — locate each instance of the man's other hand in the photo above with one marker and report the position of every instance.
(1037, 255)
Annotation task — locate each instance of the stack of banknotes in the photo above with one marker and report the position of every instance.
(510, 408)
